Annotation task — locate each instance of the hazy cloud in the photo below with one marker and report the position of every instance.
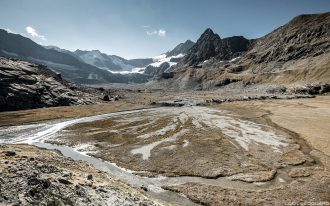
(34, 33)
(150, 33)
(160, 32)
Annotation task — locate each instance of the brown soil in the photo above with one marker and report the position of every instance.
(44, 114)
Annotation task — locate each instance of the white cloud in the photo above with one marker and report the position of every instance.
(34, 33)
(160, 32)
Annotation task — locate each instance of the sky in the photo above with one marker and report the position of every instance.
(145, 28)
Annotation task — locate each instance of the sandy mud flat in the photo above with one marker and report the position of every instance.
(262, 152)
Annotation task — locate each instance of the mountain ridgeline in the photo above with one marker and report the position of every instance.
(295, 54)
(87, 67)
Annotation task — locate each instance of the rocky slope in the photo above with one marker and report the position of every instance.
(24, 85)
(304, 36)
(295, 56)
(33, 176)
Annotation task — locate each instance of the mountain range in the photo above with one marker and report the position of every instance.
(86, 67)
(295, 54)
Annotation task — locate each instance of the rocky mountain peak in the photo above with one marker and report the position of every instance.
(208, 35)
(211, 45)
(208, 31)
(206, 46)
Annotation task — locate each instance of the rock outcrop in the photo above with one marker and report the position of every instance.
(25, 85)
(35, 176)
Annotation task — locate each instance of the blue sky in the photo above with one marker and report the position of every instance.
(145, 28)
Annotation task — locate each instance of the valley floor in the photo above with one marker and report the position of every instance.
(270, 152)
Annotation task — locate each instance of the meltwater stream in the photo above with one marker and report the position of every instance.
(36, 134)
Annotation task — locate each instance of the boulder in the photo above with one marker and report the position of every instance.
(106, 98)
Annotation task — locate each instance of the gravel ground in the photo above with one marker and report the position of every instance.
(33, 176)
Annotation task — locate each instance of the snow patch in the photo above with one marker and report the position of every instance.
(158, 60)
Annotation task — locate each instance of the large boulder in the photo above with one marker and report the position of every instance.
(24, 85)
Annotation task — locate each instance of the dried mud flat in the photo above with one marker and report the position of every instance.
(271, 152)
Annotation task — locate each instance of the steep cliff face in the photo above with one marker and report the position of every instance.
(232, 47)
(24, 85)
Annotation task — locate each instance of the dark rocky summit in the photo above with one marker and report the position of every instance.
(24, 85)
(206, 46)
(211, 45)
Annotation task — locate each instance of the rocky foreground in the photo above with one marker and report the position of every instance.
(34, 176)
